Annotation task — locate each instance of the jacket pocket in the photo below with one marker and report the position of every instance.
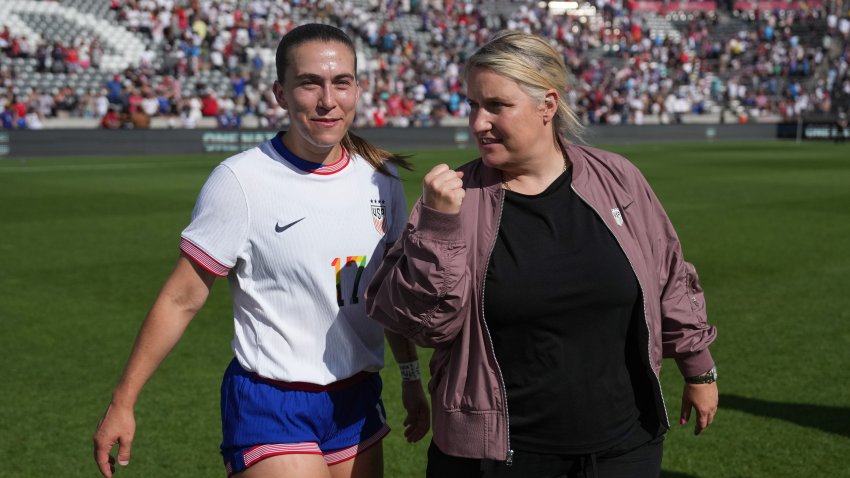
(694, 288)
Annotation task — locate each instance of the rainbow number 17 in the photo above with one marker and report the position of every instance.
(358, 262)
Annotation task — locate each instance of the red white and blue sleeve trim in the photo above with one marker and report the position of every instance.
(202, 258)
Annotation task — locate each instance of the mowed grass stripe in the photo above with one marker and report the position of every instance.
(87, 242)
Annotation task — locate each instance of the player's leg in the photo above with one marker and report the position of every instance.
(368, 464)
(354, 450)
(288, 466)
(269, 430)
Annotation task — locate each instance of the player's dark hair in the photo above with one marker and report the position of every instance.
(327, 33)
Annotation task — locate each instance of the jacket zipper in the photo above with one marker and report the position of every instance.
(509, 458)
(643, 303)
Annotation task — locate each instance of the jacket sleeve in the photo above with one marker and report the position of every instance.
(685, 332)
(421, 289)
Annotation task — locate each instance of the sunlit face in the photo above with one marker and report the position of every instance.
(510, 126)
(320, 91)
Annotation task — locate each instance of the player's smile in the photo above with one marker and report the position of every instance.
(320, 91)
(327, 122)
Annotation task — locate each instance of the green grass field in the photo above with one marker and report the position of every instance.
(85, 244)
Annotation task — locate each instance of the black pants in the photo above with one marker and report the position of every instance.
(624, 461)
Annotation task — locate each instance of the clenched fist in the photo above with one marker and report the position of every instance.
(442, 189)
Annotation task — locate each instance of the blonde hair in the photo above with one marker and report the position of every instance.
(536, 66)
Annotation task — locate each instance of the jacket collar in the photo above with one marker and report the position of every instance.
(589, 166)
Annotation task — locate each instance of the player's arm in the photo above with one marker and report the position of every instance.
(418, 420)
(183, 294)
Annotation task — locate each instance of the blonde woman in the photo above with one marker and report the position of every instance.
(550, 283)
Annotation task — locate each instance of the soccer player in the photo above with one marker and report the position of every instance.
(297, 225)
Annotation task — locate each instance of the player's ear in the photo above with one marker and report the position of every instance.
(277, 89)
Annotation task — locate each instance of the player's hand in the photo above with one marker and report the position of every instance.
(703, 397)
(117, 426)
(418, 420)
(442, 189)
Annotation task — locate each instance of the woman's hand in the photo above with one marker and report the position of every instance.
(703, 397)
(442, 189)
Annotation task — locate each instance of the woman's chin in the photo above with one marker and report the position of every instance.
(491, 159)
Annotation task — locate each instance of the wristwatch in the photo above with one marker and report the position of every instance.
(707, 377)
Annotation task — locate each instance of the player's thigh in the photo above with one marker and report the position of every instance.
(287, 466)
(368, 464)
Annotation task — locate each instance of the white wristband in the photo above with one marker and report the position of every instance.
(409, 371)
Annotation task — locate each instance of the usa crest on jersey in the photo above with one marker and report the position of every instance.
(379, 213)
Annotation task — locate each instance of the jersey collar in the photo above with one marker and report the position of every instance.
(309, 166)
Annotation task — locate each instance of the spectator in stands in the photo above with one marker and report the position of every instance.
(112, 119)
(72, 59)
(309, 407)
(19, 111)
(773, 49)
(150, 104)
(584, 392)
(190, 112)
(58, 58)
(6, 120)
(209, 103)
(137, 119)
(115, 90)
(33, 119)
(228, 118)
(101, 103)
(66, 101)
(5, 39)
(46, 103)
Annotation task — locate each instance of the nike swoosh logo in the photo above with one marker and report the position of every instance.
(279, 228)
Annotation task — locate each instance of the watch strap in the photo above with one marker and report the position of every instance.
(707, 377)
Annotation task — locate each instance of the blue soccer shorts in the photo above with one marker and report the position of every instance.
(262, 418)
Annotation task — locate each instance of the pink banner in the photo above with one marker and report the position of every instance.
(662, 7)
(778, 5)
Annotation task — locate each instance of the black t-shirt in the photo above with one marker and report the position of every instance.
(562, 305)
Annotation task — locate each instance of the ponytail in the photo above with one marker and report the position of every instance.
(375, 156)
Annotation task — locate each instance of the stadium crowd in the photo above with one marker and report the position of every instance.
(628, 68)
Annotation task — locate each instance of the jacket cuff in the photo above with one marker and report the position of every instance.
(438, 225)
(695, 364)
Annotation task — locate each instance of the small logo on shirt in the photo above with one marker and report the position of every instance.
(618, 218)
(379, 213)
(279, 228)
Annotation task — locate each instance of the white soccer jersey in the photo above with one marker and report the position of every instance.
(298, 243)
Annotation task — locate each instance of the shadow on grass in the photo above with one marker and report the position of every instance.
(829, 419)
(675, 474)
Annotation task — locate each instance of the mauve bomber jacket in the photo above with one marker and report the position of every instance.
(430, 288)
